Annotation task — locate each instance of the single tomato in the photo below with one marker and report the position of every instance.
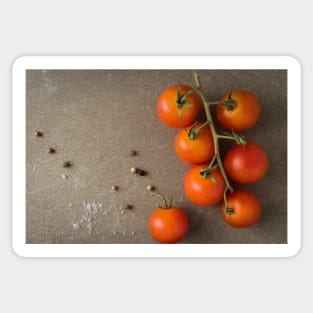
(243, 209)
(168, 224)
(194, 144)
(204, 186)
(246, 164)
(244, 114)
(175, 111)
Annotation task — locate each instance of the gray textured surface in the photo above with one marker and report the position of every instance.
(93, 118)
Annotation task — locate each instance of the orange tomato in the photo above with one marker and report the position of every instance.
(244, 209)
(168, 108)
(168, 225)
(194, 151)
(204, 191)
(245, 113)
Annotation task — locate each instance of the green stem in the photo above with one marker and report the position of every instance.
(225, 196)
(226, 137)
(194, 132)
(187, 94)
(166, 203)
(214, 133)
(162, 198)
(212, 161)
(215, 102)
(202, 126)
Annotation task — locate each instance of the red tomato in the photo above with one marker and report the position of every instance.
(204, 191)
(244, 209)
(194, 151)
(246, 164)
(244, 115)
(168, 225)
(168, 108)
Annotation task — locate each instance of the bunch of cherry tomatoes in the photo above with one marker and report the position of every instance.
(207, 182)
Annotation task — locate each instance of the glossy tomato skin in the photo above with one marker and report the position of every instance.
(246, 164)
(203, 191)
(198, 150)
(244, 115)
(246, 209)
(167, 107)
(168, 225)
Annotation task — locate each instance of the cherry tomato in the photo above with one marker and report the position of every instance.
(204, 191)
(168, 225)
(194, 148)
(244, 115)
(243, 209)
(168, 108)
(246, 164)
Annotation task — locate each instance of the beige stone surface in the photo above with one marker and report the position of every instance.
(94, 117)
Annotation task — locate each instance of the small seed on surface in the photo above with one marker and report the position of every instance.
(51, 150)
(37, 133)
(141, 172)
(65, 163)
(150, 188)
(134, 170)
(127, 206)
(132, 152)
(114, 187)
(64, 176)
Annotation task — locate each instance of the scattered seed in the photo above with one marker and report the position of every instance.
(134, 170)
(122, 211)
(50, 150)
(132, 152)
(64, 176)
(127, 206)
(65, 163)
(37, 133)
(114, 187)
(150, 188)
(141, 172)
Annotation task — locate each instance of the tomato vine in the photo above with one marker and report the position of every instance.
(216, 136)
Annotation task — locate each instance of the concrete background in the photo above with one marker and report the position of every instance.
(93, 119)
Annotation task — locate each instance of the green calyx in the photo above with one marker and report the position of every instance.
(206, 173)
(230, 103)
(240, 139)
(229, 211)
(181, 100)
(194, 132)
